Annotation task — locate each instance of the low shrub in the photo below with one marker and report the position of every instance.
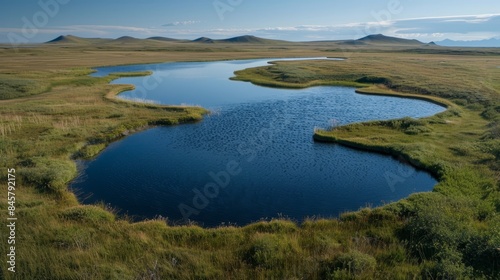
(270, 251)
(90, 151)
(348, 265)
(275, 226)
(417, 129)
(373, 80)
(87, 213)
(49, 174)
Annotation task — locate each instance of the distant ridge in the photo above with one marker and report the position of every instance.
(249, 39)
(370, 40)
(203, 40)
(165, 39)
(488, 43)
(246, 39)
(127, 39)
(63, 39)
(70, 39)
(386, 40)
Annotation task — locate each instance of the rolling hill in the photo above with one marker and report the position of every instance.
(70, 39)
(127, 40)
(164, 39)
(380, 39)
(203, 40)
(375, 40)
(370, 40)
(249, 39)
(246, 39)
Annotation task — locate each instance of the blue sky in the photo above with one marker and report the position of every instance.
(23, 21)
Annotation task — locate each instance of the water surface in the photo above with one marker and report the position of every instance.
(253, 158)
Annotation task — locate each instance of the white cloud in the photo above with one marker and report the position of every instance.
(41, 31)
(425, 28)
(467, 27)
(88, 29)
(177, 23)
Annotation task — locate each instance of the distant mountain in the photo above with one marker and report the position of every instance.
(127, 40)
(70, 39)
(66, 39)
(371, 40)
(491, 43)
(249, 39)
(246, 39)
(164, 39)
(203, 40)
(380, 39)
(74, 40)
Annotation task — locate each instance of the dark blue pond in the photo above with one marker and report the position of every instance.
(253, 158)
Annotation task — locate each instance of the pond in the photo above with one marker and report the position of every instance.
(253, 158)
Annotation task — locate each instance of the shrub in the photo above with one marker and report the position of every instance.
(432, 230)
(270, 251)
(380, 216)
(275, 226)
(441, 231)
(451, 112)
(449, 266)
(494, 130)
(431, 213)
(49, 174)
(475, 107)
(373, 80)
(87, 213)
(405, 123)
(357, 216)
(393, 257)
(115, 116)
(417, 129)
(491, 113)
(351, 264)
(461, 102)
(90, 151)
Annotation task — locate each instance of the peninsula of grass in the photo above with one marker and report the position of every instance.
(54, 113)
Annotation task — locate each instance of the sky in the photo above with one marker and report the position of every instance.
(33, 21)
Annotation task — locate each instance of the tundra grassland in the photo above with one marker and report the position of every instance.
(52, 113)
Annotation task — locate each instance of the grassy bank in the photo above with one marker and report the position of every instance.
(460, 147)
(451, 233)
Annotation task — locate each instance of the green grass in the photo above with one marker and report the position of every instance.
(443, 76)
(11, 87)
(451, 233)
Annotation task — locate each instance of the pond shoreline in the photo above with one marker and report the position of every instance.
(113, 96)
